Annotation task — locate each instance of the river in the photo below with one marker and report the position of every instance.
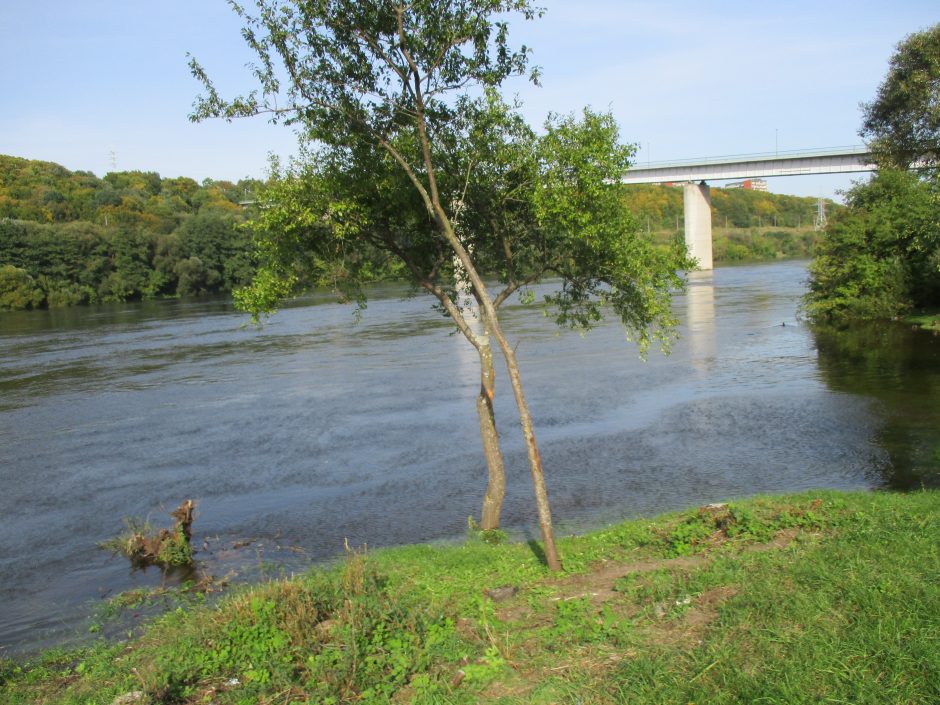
(315, 428)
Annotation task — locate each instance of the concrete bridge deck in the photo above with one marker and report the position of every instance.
(836, 160)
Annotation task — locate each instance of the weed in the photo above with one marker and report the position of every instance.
(754, 522)
(167, 547)
(175, 550)
(486, 668)
(575, 621)
(493, 537)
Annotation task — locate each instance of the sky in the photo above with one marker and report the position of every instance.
(99, 85)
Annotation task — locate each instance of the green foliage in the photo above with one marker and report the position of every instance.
(594, 243)
(176, 550)
(128, 236)
(927, 321)
(762, 244)
(881, 256)
(347, 635)
(44, 192)
(143, 545)
(253, 644)
(409, 160)
(713, 525)
(902, 124)
(18, 289)
(417, 158)
(575, 621)
(347, 63)
(493, 537)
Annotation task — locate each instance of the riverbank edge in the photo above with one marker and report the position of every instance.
(927, 320)
(822, 594)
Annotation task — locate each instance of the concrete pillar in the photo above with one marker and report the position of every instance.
(698, 223)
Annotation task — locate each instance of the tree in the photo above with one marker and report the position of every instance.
(881, 256)
(402, 163)
(902, 124)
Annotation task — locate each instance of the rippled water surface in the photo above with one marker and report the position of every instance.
(315, 428)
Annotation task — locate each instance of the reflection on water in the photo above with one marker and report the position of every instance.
(900, 368)
(700, 319)
(315, 429)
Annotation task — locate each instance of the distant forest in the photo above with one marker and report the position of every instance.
(731, 208)
(69, 237)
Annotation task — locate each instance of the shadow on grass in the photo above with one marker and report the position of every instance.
(537, 551)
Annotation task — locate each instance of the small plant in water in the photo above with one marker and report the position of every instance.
(140, 544)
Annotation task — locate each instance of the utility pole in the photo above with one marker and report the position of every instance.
(820, 215)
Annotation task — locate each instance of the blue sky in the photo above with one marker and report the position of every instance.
(80, 80)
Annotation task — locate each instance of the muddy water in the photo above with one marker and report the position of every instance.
(315, 429)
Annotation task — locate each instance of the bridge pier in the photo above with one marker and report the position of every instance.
(698, 223)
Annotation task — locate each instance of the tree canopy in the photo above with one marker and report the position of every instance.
(902, 123)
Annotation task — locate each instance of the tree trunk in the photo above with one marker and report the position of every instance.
(488, 311)
(532, 449)
(496, 473)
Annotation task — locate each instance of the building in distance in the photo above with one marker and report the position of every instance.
(749, 184)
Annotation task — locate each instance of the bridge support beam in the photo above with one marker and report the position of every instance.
(698, 223)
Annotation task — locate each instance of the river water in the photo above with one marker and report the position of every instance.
(315, 429)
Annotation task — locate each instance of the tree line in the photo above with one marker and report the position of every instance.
(69, 237)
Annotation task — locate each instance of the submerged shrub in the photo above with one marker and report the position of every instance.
(140, 544)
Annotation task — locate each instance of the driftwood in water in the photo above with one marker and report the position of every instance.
(167, 547)
(184, 519)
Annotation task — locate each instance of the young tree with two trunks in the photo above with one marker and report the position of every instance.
(410, 151)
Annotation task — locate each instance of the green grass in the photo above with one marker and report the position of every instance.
(816, 598)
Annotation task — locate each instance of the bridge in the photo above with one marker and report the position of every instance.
(693, 174)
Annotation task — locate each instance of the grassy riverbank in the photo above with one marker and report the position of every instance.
(820, 597)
